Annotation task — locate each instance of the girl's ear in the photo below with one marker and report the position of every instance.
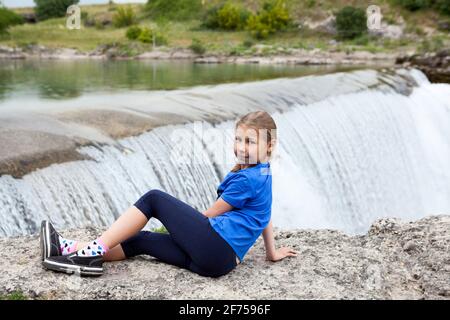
(272, 144)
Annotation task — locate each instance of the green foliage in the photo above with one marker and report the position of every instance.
(175, 9)
(272, 18)
(16, 295)
(197, 46)
(351, 22)
(414, 5)
(247, 43)
(161, 229)
(257, 28)
(362, 40)
(227, 16)
(211, 20)
(442, 6)
(8, 18)
(232, 17)
(133, 32)
(46, 9)
(124, 17)
(310, 3)
(436, 43)
(84, 16)
(146, 36)
(99, 25)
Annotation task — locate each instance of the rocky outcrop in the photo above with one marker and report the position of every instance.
(29, 17)
(394, 260)
(436, 65)
(327, 25)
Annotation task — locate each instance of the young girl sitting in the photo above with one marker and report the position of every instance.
(211, 243)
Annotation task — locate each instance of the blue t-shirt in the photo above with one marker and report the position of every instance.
(249, 191)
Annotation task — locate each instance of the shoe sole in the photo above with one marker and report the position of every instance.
(45, 240)
(71, 269)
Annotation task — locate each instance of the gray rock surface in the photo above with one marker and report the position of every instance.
(394, 260)
(436, 65)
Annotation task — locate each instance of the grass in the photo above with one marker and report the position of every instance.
(53, 33)
(16, 295)
(161, 229)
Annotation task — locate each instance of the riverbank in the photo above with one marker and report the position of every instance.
(394, 260)
(261, 56)
(436, 65)
(311, 39)
(313, 27)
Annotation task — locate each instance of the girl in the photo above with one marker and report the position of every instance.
(211, 243)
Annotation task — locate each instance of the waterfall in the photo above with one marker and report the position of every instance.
(341, 162)
(348, 160)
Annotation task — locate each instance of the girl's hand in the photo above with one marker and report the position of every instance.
(282, 253)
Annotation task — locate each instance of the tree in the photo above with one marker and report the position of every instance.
(46, 9)
(8, 18)
(351, 22)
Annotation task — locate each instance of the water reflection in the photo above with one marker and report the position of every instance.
(60, 79)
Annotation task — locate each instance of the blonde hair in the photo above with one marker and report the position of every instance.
(258, 120)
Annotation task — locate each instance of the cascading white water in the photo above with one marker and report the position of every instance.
(355, 158)
(340, 163)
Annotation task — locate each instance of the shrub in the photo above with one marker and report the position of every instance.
(247, 43)
(99, 20)
(124, 17)
(257, 28)
(276, 14)
(174, 9)
(146, 36)
(414, 5)
(133, 32)
(443, 6)
(351, 22)
(8, 18)
(46, 9)
(197, 46)
(211, 20)
(227, 16)
(310, 3)
(274, 17)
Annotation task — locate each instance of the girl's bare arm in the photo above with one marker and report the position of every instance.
(269, 241)
(219, 207)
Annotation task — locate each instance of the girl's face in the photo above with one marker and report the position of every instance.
(248, 147)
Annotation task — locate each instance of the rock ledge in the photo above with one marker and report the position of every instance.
(394, 260)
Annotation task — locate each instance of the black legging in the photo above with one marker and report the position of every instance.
(192, 243)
